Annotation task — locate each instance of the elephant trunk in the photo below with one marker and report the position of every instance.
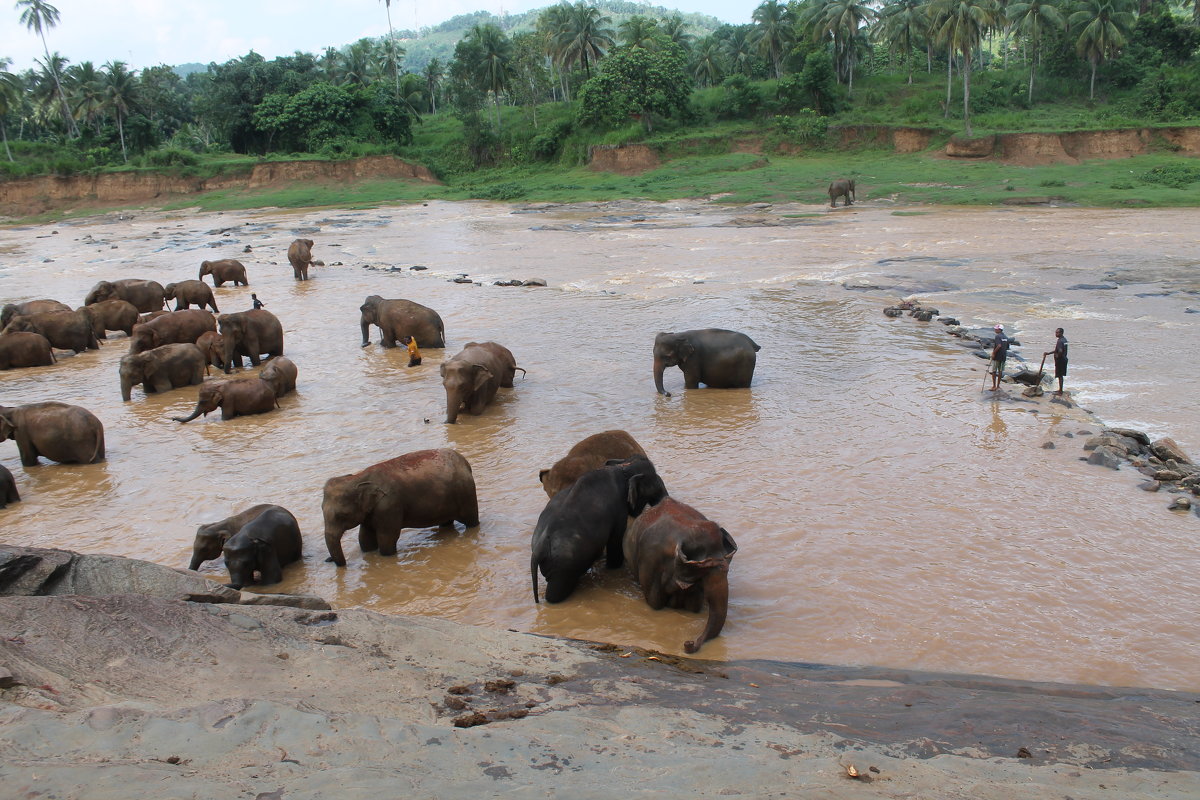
(659, 366)
(199, 410)
(366, 331)
(452, 406)
(126, 388)
(197, 560)
(333, 541)
(716, 594)
(228, 347)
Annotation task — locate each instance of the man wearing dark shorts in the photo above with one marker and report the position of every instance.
(1060, 358)
(999, 356)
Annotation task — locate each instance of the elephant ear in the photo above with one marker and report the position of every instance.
(728, 543)
(703, 564)
(686, 349)
(482, 376)
(7, 426)
(366, 495)
(637, 496)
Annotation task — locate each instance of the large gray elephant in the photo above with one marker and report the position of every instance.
(236, 398)
(415, 490)
(66, 330)
(211, 537)
(60, 432)
(718, 358)
(183, 327)
(398, 319)
(250, 334)
(111, 315)
(472, 377)
(264, 545)
(225, 269)
(13, 310)
(145, 295)
(25, 349)
(162, 369)
(844, 188)
(681, 559)
(588, 454)
(300, 257)
(190, 293)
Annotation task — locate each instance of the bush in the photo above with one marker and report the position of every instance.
(499, 191)
(805, 127)
(170, 157)
(1176, 176)
(741, 99)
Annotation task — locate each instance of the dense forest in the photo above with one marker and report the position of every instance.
(518, 89)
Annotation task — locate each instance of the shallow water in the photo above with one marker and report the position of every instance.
(887, 512)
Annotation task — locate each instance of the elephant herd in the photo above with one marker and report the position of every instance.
(606, 498)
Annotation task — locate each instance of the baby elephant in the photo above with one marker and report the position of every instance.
(190, 293)
(300, 256)
(161, 369)
(211, 537)
(681, 559)
(264, 545)
(472, 377)
(588, 454)
(281, 373)
(235, 398)
(8, 487)
(588, 519)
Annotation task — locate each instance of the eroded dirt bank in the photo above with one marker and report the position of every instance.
(152, 695)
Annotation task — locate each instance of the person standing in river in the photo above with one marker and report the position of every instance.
(257, 303)
(1060, 358)
(999, 356)
(414, 354)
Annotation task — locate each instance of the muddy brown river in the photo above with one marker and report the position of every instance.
(887, 511)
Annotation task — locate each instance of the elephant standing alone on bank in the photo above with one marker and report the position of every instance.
(398, 319)
(718, 358)
(473, 375)
(844, 188)
(58, 431)
(250, 334)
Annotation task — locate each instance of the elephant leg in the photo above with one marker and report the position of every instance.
(367, 541)
(387, 541)
(161, 383)
(656, 596)
(691, 378)
(468, 513)
(559, 588)
(692, 600)
(28, 453)
(387, 336)
(270, 568)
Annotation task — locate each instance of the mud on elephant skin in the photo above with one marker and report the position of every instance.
(190, 293)
(250, 334)
(58, 431)
(25, 349)
(162, 369)
(264, 545)
(300, 257)
(145, 295)
(176, 327)
(211, 536)
(222, 270)
(681, 559)
(844, 188)
(586, 455)
(715, 357)
(13, 310)
(398, 319)
(66, 330)
(236, 398)
(473, 375)
(416, 490)
(588, 520)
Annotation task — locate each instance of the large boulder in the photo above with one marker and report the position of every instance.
(1168, 450)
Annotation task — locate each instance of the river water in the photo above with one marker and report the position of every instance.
(887, 511)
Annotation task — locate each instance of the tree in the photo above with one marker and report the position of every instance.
(773, 32)
(739, 50)
(10, 96)
(583, 36)
(1103, 27)
(38, 16)
(1033, 18)
(433, 74)
(902, 24)
(708, 61)
(493, 67)
(393, 51)
(87, 93)
(120, 96)
(842, 21)
(964, 23)
(675, 29)
(638, 31)
(531, 81)
(636, 82)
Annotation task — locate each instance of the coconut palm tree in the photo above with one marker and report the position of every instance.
(583, 36)
(1032, 18)
(773, 32)
(360, 63)
(37, 16)
(393, 51)
(675, 29)
(963, 25)
(739, 50)
(1104, 27)
(843, 22)
(902, 25)
(638, 31)
(433, 73)
(87, 93)
(120, 96)
(708, 61)
(494, 70)
(10, 97)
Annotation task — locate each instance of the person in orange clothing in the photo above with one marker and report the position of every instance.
(414, 355)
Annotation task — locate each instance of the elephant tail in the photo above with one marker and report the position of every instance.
(533, 569)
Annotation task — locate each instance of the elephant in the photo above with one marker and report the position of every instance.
(190, 293)
(183, 327)
(842, 187)
(66, 330)
(281, 373)
(588, 519)
(718, 358)
(681, 559)
(300, 256)
(589, 454)
(416, 490)
(162, 369)
(145, 295)
(111, 315)
(12, 310)
(58, 431)
(250, 333)
(398, 319)
(225, 269)
(235, 398)
(144, 318)
(25, 349)
(212, 344)
(211, 537)
(473, 375)
(8, 487)
(265, 544)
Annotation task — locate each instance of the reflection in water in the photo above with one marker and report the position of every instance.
(886, 511)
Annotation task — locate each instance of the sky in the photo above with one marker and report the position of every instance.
(145, 33)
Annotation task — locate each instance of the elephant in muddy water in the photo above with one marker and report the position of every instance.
(844, 188)
(66, 330)
(250, 334)
(213, 347)
(177, 327)
(473, 375)
(222, 270)
(718, 358)
(281, 373)
(25, 349)
(211, 537)
(111, 315)
(398, 319)
(236, 398)
(190, 293)
(57, 431)
(264, 545)
(681, 559)
(416, 490)
(300, 257)
(162, 369)
(8, 487)
(588, 454)
(587, 520)
(13, 310)
(143, 294)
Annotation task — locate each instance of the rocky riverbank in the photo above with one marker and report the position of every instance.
(124, 679)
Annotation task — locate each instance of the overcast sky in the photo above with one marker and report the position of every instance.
(145, 33)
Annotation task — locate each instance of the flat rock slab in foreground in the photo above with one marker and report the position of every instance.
(131, 696)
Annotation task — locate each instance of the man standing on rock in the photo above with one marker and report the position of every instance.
(999, 356)
(1060, 358)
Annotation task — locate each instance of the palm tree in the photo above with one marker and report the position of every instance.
(638, 31)
(87, 93)
(10, 97)
(393, 61)
(774, 32)
(963, 25)
(494, 69)
(583, 36)
(120, 95)
(675, 29)
(359, 63)
(330, 64)
(1032, 17)
(739, 50)
(434, 73)
(392, 54)
(843, 22)
(708, 61)
(38, 16)
(902, 23)
(1103, 29)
